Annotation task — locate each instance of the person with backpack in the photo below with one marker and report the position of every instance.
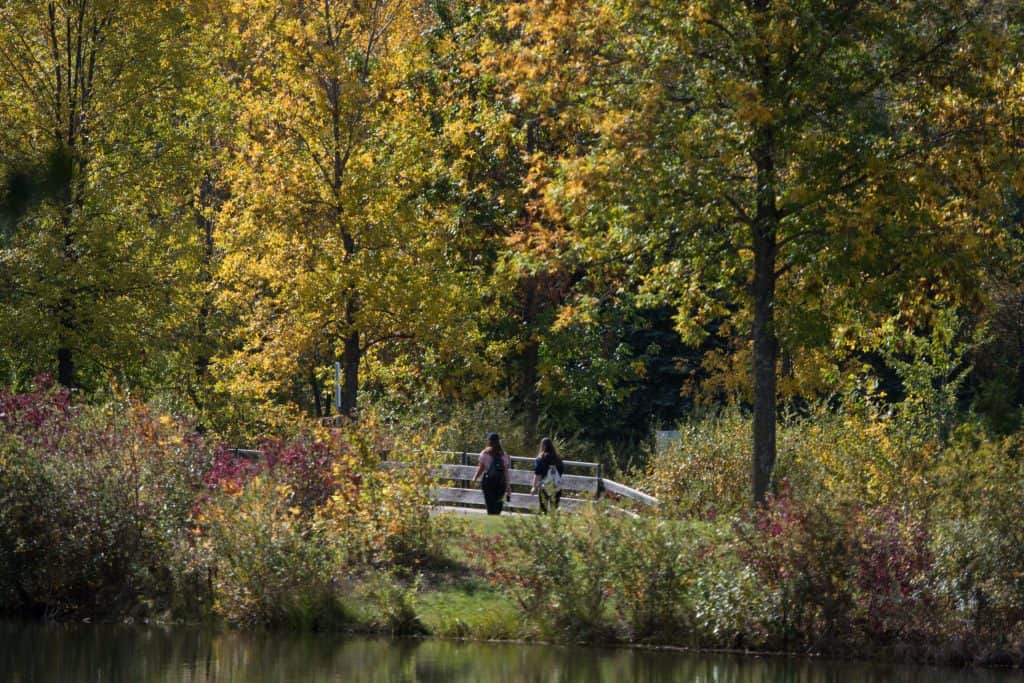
(493, 475)
(548, 470)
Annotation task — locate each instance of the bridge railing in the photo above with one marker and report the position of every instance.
(459, 467)
(462, 466)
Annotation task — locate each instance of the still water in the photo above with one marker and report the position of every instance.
(103, 653)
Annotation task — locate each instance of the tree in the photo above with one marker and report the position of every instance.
(514, 80)
(80, 81)
(333, 247)
(791, 167)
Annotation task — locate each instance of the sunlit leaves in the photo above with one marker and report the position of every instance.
(88, 265)
(333, 246)
(879, 118)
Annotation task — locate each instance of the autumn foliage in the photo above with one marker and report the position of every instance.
(788, 231)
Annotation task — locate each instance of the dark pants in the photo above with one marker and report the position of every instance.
(495, 500)
(549, 501)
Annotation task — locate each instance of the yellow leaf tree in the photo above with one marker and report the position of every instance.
(333, 247)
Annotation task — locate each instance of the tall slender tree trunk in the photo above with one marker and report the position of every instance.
(321, 407)
(75, 39)
(766, 347)
(531, 399)
(65, 309)
(529, 365)
(206, 199)
(351, 356)
(66, 366)
(352, 353)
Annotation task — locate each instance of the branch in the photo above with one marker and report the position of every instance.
(741, 213)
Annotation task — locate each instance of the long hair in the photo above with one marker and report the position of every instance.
(547, 448)
(494, 443)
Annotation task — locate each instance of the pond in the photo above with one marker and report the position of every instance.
(85, 652)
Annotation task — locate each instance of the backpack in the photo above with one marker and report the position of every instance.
(494, 477)
(552, 481)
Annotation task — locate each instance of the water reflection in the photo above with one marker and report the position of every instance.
(78, 652)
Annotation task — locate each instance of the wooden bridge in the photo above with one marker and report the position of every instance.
(582, 484)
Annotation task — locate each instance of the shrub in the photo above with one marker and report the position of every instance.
(292, 532)
(558, 569)
(95, 504)
(840, 574)
(731, 608)
(379, 517)
(466, 427)
(604, 576)
(856, 453)
(393, 605)
(302, 463)
(979, 544)
(656, 564)
(706, 472)
(272, 563)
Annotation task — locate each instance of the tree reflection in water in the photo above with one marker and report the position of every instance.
(80, 652)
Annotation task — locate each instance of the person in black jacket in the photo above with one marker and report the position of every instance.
(493, 475)
(548, 470)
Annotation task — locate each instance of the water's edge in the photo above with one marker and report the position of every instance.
(75, 651)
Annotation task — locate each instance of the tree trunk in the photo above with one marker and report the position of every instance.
(529, 360)
(766, 347)
(531, 400)
(74, 42)
(319, 409)
(66, 306)
(66, 367)
(351, 356)
(765, 360)
(206, 199)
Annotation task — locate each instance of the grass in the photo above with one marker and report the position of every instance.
(487, 526)
(458, 602)
(490, 525)
(469, 609)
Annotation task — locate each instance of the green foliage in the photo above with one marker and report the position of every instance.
(654, 578)
(467, 426)
(393, 605)
(979, 548)
(753, 164)
(932, 368)
(705, 472)
(98, 267)
(559, 571)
